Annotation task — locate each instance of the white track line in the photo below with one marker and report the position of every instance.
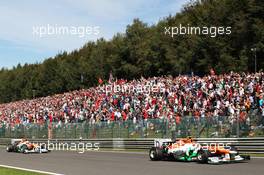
(30, 170)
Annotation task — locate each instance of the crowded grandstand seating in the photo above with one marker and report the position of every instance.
(233, 95)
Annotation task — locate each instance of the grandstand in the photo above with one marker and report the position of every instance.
(214, 105)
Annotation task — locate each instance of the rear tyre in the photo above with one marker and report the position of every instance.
(202, 156)
(155, 154)
(9, 148)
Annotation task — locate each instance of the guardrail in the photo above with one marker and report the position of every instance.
(244, 145)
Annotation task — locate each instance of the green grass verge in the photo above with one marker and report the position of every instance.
(9, 171)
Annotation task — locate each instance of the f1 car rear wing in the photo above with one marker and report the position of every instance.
(15, 140)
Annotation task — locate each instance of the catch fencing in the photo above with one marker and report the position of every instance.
(207, 127)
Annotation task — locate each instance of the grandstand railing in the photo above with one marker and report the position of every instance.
(207, 127)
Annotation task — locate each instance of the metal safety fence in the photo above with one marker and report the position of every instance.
(203, 127)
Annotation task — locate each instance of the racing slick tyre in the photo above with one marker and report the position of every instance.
(9, 148)
(43, 146)
(155, 154)
(202, 156)
(246, 157)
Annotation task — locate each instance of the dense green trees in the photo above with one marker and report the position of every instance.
(145, 50)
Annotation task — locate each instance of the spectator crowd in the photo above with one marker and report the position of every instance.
(233, 95)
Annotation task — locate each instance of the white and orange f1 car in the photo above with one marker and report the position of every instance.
(26, 147)
(189, 150)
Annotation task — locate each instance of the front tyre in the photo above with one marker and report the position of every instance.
(245, 157)
(155, 154)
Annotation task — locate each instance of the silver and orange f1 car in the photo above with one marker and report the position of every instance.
(189, 150)
(26, 147)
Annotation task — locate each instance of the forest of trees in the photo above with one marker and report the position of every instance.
(144, 50)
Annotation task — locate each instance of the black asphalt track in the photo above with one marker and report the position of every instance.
(112, 163)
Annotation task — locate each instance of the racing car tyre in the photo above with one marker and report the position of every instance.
(9, 148)
(202, 156)
(246, 157)
(42, 146)
(155, 154)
